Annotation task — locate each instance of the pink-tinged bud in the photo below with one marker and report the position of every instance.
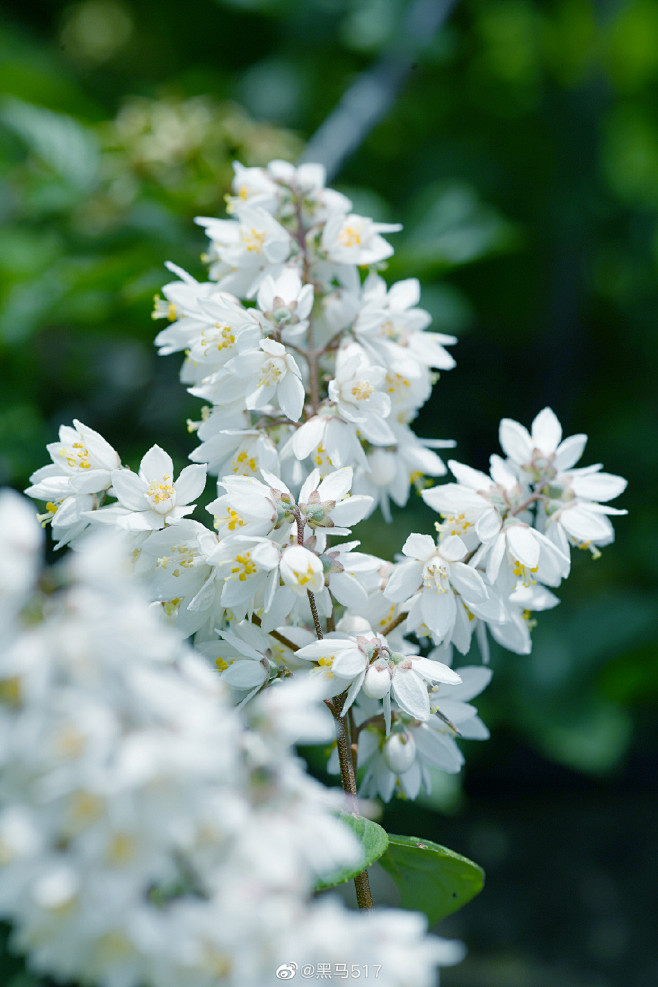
(399, 752)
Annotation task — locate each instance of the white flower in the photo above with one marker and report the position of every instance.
(513, 633)
(248, 567)
(585, 524)
(541, 449)
(82, 457)
(149, 499)
(269, 374)
(181, 305)
(241, 657)
(521, 554)
(392, 328)
(356, 392)
(22, 543)
(146, 837)
(245, 247)
(251, 507)
(253, 186)
(350, 576)
(569, 511)
(344, 659)
(285, 304)
(407, 677)
(301, 570)
(430, 580)
(241, 451)
(393, 471)
(326, 503)
(174, 561)
(334, 442)
(391, 942)
(353, 239)
(80, 474)
(573, 515)
(306, 184)
(472, 503)
(222, 330)
(405, 759)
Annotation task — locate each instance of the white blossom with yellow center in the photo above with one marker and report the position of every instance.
(357, 391)
(429, 580)
(151, 498)
(269, 375)
(352, 239)
(301, 570)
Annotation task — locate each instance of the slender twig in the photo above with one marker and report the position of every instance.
(348, 780)
(376, 720)
(526, 503)
(332, 344)
(347, 773)
(354, 738)
(314, 612)
(275, 634)
(395, 623)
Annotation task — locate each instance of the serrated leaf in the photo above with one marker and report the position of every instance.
(373, 839)
(429, 877)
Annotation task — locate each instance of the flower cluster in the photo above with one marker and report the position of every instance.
(514, 529)
(148, 836)
(156, 827)
(313, 370)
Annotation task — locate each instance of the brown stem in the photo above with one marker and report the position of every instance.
(526, 503)
(263, 423)
(332, 344)
(354, 739)
(275, 634)
(314, 611)
(348, 780)
(395, 623)
(376, 720)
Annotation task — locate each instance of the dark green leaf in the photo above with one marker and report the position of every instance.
(429, 877)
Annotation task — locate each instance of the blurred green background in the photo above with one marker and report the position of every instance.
(518, 144)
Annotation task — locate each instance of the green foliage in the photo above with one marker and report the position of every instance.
(373, 840)
(449, 226)
(520, 155)
(429, 877)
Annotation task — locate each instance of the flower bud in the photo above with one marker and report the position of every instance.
(399, 752)
(377, 681)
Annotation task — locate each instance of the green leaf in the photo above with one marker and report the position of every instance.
(452, 226)
(62, 142)
(429, 877)
(25, 979)
(373, 839)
